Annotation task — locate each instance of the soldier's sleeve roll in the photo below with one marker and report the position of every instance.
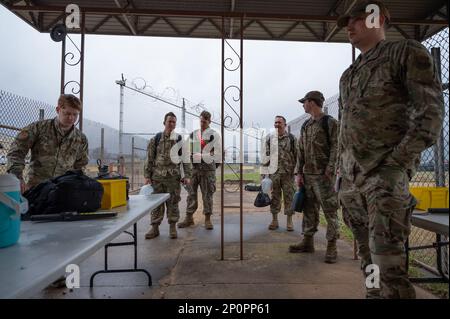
(23, 142)
(150, 160)
(83, 156)
(333, 125)
(296, 154)
(425, 93)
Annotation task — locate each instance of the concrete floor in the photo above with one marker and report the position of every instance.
(190, 266)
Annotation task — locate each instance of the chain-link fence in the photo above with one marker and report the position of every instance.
(433, 170)
(18, 112)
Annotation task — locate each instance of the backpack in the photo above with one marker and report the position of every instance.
(70, 192)
(325, 127)
(158, 138)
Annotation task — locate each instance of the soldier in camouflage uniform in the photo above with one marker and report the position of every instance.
(56, 145)
(391, 109)
(316, 171)
(164, 174)
(283, 177)
(204, 172)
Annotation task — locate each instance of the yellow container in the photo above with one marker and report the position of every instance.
(114, 193)
(430, 197)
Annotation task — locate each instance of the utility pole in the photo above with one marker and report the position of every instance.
(122, 84)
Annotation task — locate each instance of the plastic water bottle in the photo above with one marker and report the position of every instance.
(266, 185)
(146, 190)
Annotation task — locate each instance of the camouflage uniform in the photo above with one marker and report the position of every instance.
(283, 178)
(165, 176)
(203, 175)
(317, 155)
(53, 152)
(391, 109)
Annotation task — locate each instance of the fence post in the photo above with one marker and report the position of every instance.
(41, 114)
(132, 163)
(439, 168)
(102, 145)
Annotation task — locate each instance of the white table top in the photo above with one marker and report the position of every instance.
(435, 222)
(45, 249)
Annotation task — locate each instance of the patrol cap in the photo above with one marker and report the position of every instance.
(360, 9)
(313, 95)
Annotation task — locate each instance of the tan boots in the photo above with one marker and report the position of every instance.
(154, 231)
(208, 223)
(274, 224)
(289, 223)
(188, 221)
(331, 254)
(173, 231)
(305, 246)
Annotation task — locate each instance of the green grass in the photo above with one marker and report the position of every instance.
(438, 289)
(255, 177)
(345, 232)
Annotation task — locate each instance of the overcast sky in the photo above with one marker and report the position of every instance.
(276, 74)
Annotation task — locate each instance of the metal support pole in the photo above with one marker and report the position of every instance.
(83, 31)
(439, 166)
(63, 66)
(41, 114)
(355, 244)
(132, 163)
(183, 115)
(241, 125)
(222, 122)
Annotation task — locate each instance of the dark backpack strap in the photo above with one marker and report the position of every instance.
(180, 151)
(157, 139)
(292, 139)
(326, 128)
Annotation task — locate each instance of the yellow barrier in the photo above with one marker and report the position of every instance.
(430, 197)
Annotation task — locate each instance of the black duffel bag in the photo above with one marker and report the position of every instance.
(262, 200)
(71, 192)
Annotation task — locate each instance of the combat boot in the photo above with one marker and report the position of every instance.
(153, 232)
(305, 246)
(289, 223)
(208, 224)
(274, 224)
(173, 231)
(188, 221)
(331, 254)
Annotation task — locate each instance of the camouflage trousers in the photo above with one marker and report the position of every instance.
(282, 185)
(378, 209)
(319, 192)
(169, 185)
(207, 182)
